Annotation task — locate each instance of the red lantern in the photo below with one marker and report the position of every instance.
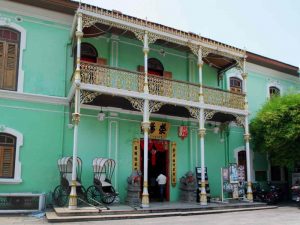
(183, 132)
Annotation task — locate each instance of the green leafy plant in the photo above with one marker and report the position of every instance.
(276, 130)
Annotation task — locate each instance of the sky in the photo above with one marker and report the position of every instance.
(266, 27)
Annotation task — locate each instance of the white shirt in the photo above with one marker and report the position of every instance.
(161, 179)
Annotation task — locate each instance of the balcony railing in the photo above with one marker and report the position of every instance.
(92, 73)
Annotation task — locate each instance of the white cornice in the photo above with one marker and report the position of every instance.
(35, 12)
(250, 67)
(33, 97)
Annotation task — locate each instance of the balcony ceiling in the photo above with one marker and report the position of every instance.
(170, 110)
(217, 61)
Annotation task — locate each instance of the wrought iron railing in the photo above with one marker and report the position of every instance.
(224, 98)
(92, 73)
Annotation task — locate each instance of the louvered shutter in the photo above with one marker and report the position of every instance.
(10, 75)
(6, 161)
(1, 63)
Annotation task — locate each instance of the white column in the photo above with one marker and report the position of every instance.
(203, 197)
(248, 159)
(200, 65)
(145, 125)
(244, 75)
(146, 51)
(76, 114)
(247, 135)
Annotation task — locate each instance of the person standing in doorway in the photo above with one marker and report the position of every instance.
(161, 180)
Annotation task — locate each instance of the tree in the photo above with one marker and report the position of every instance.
(276, 130)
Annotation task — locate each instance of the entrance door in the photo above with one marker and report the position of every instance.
(242, 161)
(158, 162)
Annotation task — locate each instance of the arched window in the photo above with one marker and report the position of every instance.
(236, 85)
(9, 58)
(155, 67)
(88, 53)
(7, 155)
(274, 91)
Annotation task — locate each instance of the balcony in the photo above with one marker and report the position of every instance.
(104, 76)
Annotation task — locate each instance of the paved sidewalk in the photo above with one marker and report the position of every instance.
(284, 215)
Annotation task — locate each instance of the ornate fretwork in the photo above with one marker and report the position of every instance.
(88, 21)
(152, 38)
(155, 106)
(223, 98)
(111, 77)
(88, 96)
(194, 48)
(136, 103)
(209, 114)
(133, 81)
(239, 64)
(173, 89)
(240, 120)
(206, 52)
(195, 112)
(139, 34)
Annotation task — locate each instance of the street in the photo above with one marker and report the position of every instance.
(284, 215)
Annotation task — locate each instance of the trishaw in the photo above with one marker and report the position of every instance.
(102, 189)
(61, 192)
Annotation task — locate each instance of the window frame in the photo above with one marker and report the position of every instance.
(236, 87)
(17, 164)
(14, 152)
(276, 90)
(5, 22)
(7, 43)
(275, 84)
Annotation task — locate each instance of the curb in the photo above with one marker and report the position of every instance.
(53, 218)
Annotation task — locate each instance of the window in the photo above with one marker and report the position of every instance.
(155, 67)
(236, 85)
(10, 145)
(88, 53)
(274, 91)
(7, 155)
(9, 56)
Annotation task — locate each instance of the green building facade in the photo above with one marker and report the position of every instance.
(37, 111)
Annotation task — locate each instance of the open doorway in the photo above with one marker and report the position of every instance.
(158, 162)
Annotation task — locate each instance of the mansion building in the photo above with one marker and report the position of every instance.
(78, 80)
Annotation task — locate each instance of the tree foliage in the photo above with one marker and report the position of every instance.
(276, 130)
